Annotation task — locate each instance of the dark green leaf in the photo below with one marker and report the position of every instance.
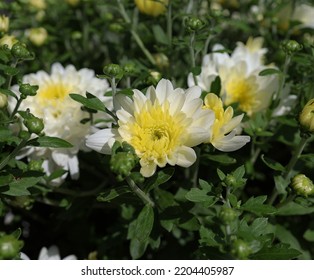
(223, 158)
(293, 208)
(144, 223)
(137, 248)
(277, 252)
(19, 187)
(205, 185)
(208, 237)
(196, 70)
(92, 102)
(5, 179)
(8, 92)
(49, 142)
(159, 178)
(269, 71)
(256, 205)
(309, 235)
(111, 194)
(221, 175)
(272, 164)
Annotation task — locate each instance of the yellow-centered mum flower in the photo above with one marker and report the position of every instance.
(61, 114)
(225, 128)
(162, 126)
(152, 7)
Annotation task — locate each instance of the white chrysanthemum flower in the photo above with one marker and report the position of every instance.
(52, 253)
(61, 114)
(225, 128)
(162, 126)
(305, 14)
(239, 76)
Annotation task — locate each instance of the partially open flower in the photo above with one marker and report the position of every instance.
(302, 185)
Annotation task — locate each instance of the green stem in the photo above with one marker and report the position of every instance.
(18, 103)
(192, 55)
(196, 167)
(13, 154)
(143, 196)
(282, 78)
(9, 81)
(136, 37)
(289, 168)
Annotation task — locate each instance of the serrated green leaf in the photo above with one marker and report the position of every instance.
(277, 252)
(111, 194)
(239, 173)
(208, 237)
(256, 205)
(269, 71)
(281, 184)
(92, 102)
(258, 226)
(272, 164)
(19, 187)
(197, 195)
(204, 185)
(293, 208)
(49, 142)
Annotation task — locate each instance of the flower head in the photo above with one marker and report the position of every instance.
(4, 23)
(52, 253)
(61, 114)
(305, 15)
(152, 7)
(37, 36)
(306, 117)
(162, 126)
(225, 127)
(8, 40)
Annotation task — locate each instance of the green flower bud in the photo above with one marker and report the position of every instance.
(27, 89)
(230, 180)
(193, 24)
(122, 163)
(9, 247)
(227, 215)
(113, 71)
(302, 185)
(116, 27)
(35, 165)
(306, 117)
(20, 51)
(32, 123)
(129, 68)
(240, 249)
(291, 46)
(25, 135)
(108, 16)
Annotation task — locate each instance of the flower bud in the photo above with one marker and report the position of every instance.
(38, 4)
(152, 7)
(113, 71)
(130, 68)
(4, 23)
(153, 78)
(227, 215)
(35, 165)
(122, 163)
(161, 60)
(116, 27)
(32, 123)
(20, 51)
(73, 3)
(193, 24)
(3, 100)
(291, 46)
(306, 117)
(25, 135)
(27, 89)
(8, 40)
(302, 185)
(37, 36)
(240, 249)
(9, 247)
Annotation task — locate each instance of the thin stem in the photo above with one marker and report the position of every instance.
(113, 86)
(196, 167)
(18, 103)
(192, 55)
(143, 196)
(13, 154)
(282, 78)
(136, 37)
(9, 81)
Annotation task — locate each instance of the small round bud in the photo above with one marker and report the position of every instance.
(38, 4)
(3, 100)
(306, 117)
(27, 89)
(113, 71)
(130, 68)
(116, 27)
(227, 215)
(35, 165)
(108, 16)
(152, 7)
(291, 46)
(32, 123)
(302, 185)
(73, 3)
(161, 60)
(37, 36)
(240, 249)
(25, 135)
(20, 51)
(9, 247)
(230, 180)
(193, 24)
(76, 35)
(8, 40)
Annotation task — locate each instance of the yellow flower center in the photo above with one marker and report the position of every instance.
(241, 91)
(155, 133)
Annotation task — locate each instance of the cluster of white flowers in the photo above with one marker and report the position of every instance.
(61, 115)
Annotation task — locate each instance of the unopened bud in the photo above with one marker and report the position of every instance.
(3, 100)
(4, 23)
(194, 24)
(113, 71)
(8, 40)
(302, 185)
(37, 36)
(306, 117)
(152, 7)
(291, 46)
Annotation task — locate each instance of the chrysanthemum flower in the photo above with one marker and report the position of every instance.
(162, 126)
(61, 114)
(239, 76)
(52, 253)
(225, 128)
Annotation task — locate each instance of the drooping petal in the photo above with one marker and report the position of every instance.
(186, 156)
(102, 141)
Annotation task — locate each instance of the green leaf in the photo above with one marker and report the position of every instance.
(92, 102)
(309, 235)
(276, 252)
(160, 35)
(269, 71)
(144, 223)
(208, 237)
(196, 70)
(281, 184)
(137, 248)
(111, 194)
(259, 226)
(49, 142)
(256, 205)
(197, 195)
(159, 178)
(8, 92)
(6, 179)
(223, 158)
(19, 187)
(272, 164)
(221, 175)
(293, 208)
(204, 185)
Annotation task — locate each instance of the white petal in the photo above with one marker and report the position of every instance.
(123, 101)
(197, 135)
(231, 143)
(73, 164)
(102, 140)
(186, 156)
(49, 254)
(147, 168)
(163, 90)
(233, 123)
(139, 100)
